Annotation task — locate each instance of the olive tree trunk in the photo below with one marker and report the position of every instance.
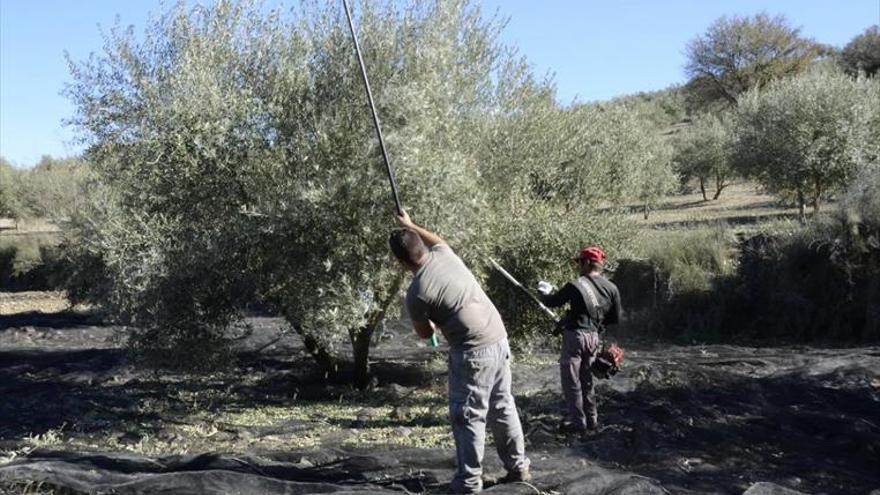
(703, 188)
(720, 184)
(802, 206)
(362, 338)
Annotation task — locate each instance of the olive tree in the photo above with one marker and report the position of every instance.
(627, 156)
(738, 53)
(9, 198)
(806, 136)
(862, 54)
(549, 175)
(702, 151)
(52, 188)
(235, 160)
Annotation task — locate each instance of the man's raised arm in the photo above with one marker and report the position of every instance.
(429, 238)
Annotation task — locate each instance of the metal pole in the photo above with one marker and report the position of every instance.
(391, 179)
(547, 311)
(357, 48)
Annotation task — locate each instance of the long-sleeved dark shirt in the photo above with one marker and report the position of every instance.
(581, 312)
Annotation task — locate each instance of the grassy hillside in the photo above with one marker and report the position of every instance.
(742, 205)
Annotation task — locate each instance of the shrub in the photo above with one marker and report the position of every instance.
(691, 261)
(7, 265)
(29, 262)
(670, 290)
(820, 283)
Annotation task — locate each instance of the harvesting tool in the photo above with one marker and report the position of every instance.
(388, 169)
(510, 278)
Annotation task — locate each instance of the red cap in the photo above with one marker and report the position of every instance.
(591, 253)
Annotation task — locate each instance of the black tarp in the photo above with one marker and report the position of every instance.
(321, 471)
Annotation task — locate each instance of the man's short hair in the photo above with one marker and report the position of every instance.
(593, 266)
(407, 245)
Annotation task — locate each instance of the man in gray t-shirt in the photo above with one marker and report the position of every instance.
(445, 293)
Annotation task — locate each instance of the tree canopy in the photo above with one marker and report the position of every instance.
(805, 137)
(862, 54)
(738, 53)
(702, 151)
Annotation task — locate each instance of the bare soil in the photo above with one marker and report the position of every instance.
(77, 416)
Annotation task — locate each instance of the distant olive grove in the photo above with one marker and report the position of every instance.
(51, 189)
(231, 162)
(767, 104)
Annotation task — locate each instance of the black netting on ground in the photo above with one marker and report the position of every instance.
(692, 419)
(322, 471)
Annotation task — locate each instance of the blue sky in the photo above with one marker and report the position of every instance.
(596, 49)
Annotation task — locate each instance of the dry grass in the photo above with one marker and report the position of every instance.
(33, 301)
(742, 210)
(741, 204)
(9, 227)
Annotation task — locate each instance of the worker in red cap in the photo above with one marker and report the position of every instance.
(593, 302)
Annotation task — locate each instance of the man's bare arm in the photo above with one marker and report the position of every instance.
(429, 238)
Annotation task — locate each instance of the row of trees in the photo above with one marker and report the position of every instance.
(803, 138)
(768, 104)
(807, 137)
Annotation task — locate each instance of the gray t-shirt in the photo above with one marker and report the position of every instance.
(444, 291)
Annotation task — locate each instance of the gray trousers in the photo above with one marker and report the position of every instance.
(579, 349)
(479, 392)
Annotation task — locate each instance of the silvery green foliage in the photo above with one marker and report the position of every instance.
(806, 136)
(702, 151)
(10, 201)
(663, 108)
(235, 160)
(51, 189)
(627, 157)
(562, 190)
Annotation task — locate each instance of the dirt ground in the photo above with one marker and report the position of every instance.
(76, 416)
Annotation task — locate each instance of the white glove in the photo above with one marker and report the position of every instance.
(544, 288)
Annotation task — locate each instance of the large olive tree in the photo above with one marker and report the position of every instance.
(737, 53)
(805, 137)
(235, 160)
(862, 53)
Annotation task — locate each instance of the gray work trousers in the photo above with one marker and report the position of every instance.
(579, 349)
(479, 391)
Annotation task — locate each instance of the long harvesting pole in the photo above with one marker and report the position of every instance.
(391, 179)
(357, 48)
(547, 311)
